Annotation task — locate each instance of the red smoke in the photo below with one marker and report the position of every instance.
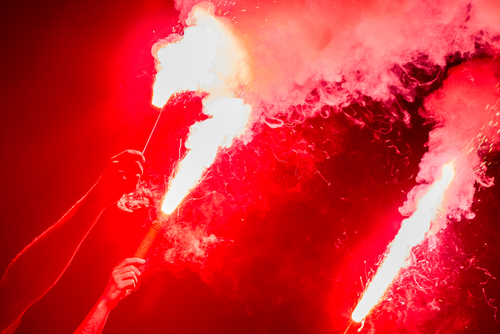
(353, 44)
(465, 112)
(349, 97)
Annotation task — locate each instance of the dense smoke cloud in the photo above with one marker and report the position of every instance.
(306, 55)
(465, 112)
(349, 49)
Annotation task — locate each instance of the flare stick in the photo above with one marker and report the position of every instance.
(150, 237)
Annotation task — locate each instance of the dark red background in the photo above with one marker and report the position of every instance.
(75, 89)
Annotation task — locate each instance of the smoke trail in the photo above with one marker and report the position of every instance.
(466, 115)
(208, 58)
(349, 49)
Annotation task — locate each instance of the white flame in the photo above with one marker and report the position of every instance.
(207, 58)
(229, 118)
(412, 233)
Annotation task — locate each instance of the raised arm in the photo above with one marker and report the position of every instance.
(38, 267)
(122, 282)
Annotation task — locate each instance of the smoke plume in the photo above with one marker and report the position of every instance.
(341, 92)
(349, 49)
(465, 114)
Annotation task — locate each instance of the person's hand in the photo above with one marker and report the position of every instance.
(121, 176)
(122, 282)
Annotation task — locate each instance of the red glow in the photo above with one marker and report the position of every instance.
(309, 200)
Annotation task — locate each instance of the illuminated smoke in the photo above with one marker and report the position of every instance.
(188, 244)
(207, 58)
(349, 49)
(466, 113)
(342, 50)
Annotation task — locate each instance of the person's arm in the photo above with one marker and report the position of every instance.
(122, 282)
(38, 267)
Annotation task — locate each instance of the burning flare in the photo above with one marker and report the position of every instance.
(229, 118)
(412, 232)
(207, 58)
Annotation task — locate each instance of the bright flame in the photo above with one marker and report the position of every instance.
(229, 118)
(207, 58)
(411, 233)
